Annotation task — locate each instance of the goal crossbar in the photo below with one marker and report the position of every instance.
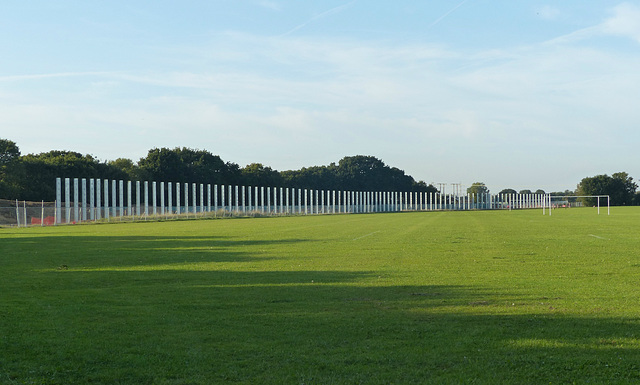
(548, 199)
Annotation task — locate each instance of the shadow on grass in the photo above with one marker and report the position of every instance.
(302, 327)
(121, 251)
(186, 326)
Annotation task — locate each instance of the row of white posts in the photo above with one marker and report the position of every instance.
(96, 199)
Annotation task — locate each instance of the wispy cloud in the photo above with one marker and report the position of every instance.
(324, 14)
(575, 36)
(270, 5)
(14, 78)
(624, 22)
(447, 13)
(414, 105)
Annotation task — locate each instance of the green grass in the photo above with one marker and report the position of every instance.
(439, 297)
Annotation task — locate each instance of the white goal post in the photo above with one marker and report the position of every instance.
(548, 201)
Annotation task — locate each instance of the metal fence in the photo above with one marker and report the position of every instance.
(80, 200)
(23, 213)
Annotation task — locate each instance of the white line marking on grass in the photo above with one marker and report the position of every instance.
(595, 236)
(367, 235)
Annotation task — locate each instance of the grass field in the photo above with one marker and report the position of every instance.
(492, 297)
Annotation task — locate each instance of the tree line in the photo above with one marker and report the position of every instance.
(32, 176)
(620, 188)
(481, 188)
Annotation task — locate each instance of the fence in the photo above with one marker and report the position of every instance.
(79, 200)
(22, 213)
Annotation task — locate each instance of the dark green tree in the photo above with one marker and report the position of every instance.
(316, 177)
(565, 193)
(127, 166)
(9, 168)
(38, 172)
(32, 177)
(619, 187)
(478, 188)
(422, 186)
(256, 174)
(187, 165)
(9, 152)
(507, 191)
(361, 173)
(356, 173)
(624, 188)
(368, 173)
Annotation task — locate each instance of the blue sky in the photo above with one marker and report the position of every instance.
(515, 94)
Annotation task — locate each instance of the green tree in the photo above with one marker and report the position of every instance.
(187, 165)
(565, 193)
(525, 192)
(368, 173)
(9, 168)
(9, 152)
(478, 188)
(624, 187)
(507, 191)
(32, 177)
(38, 172)
(596, 185)
(256, 174)
(127, 166)
(422, 186)
(357, 173)
(540, 192)
(619, 187)
(316, 177)
(361, 172)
